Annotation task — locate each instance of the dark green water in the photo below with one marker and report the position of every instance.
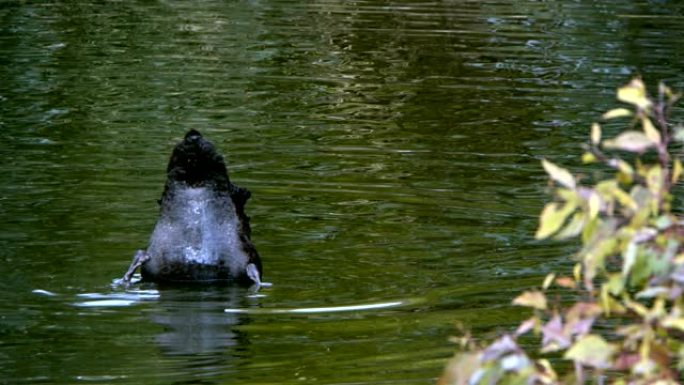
(392, 149)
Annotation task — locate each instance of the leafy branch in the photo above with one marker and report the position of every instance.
(629, 271)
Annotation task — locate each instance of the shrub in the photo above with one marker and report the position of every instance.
(624, 323)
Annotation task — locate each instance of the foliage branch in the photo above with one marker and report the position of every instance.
(626, 324)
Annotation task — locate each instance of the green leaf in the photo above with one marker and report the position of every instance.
(617, 113)
(663, 222)
(632, 141)
(602, 244)
(641, 198)
(679, 133)
(591, 350)
(589, 230)
(559, 174)
(640, 271)
(616, 284)
(594, 260)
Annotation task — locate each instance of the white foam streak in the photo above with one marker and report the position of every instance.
(318, 310)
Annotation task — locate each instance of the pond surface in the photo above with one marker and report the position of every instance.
(392, 150)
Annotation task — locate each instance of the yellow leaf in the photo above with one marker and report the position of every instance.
(617, 113)
(625, 168)
(577, 272)
(548, 371)
(654, 180)
(534, 299)
(588, 158)
(594, 205)
(658, 309)
(548, 280)
(636, 307)
(610, 190)
(559, 174)
(675, 323)
(632, 141)
(634, 93)
(605, 298)
(624, 199)
(568, 195)
(679, 259)
(574, 227)
(676, 170)
(626, 172)
(591, 350)
(552, 218)
(595, 133)
(610, 306)
(650, 130)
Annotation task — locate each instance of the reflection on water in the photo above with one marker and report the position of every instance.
(194, 322)
(392, 149)
(193, 318)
